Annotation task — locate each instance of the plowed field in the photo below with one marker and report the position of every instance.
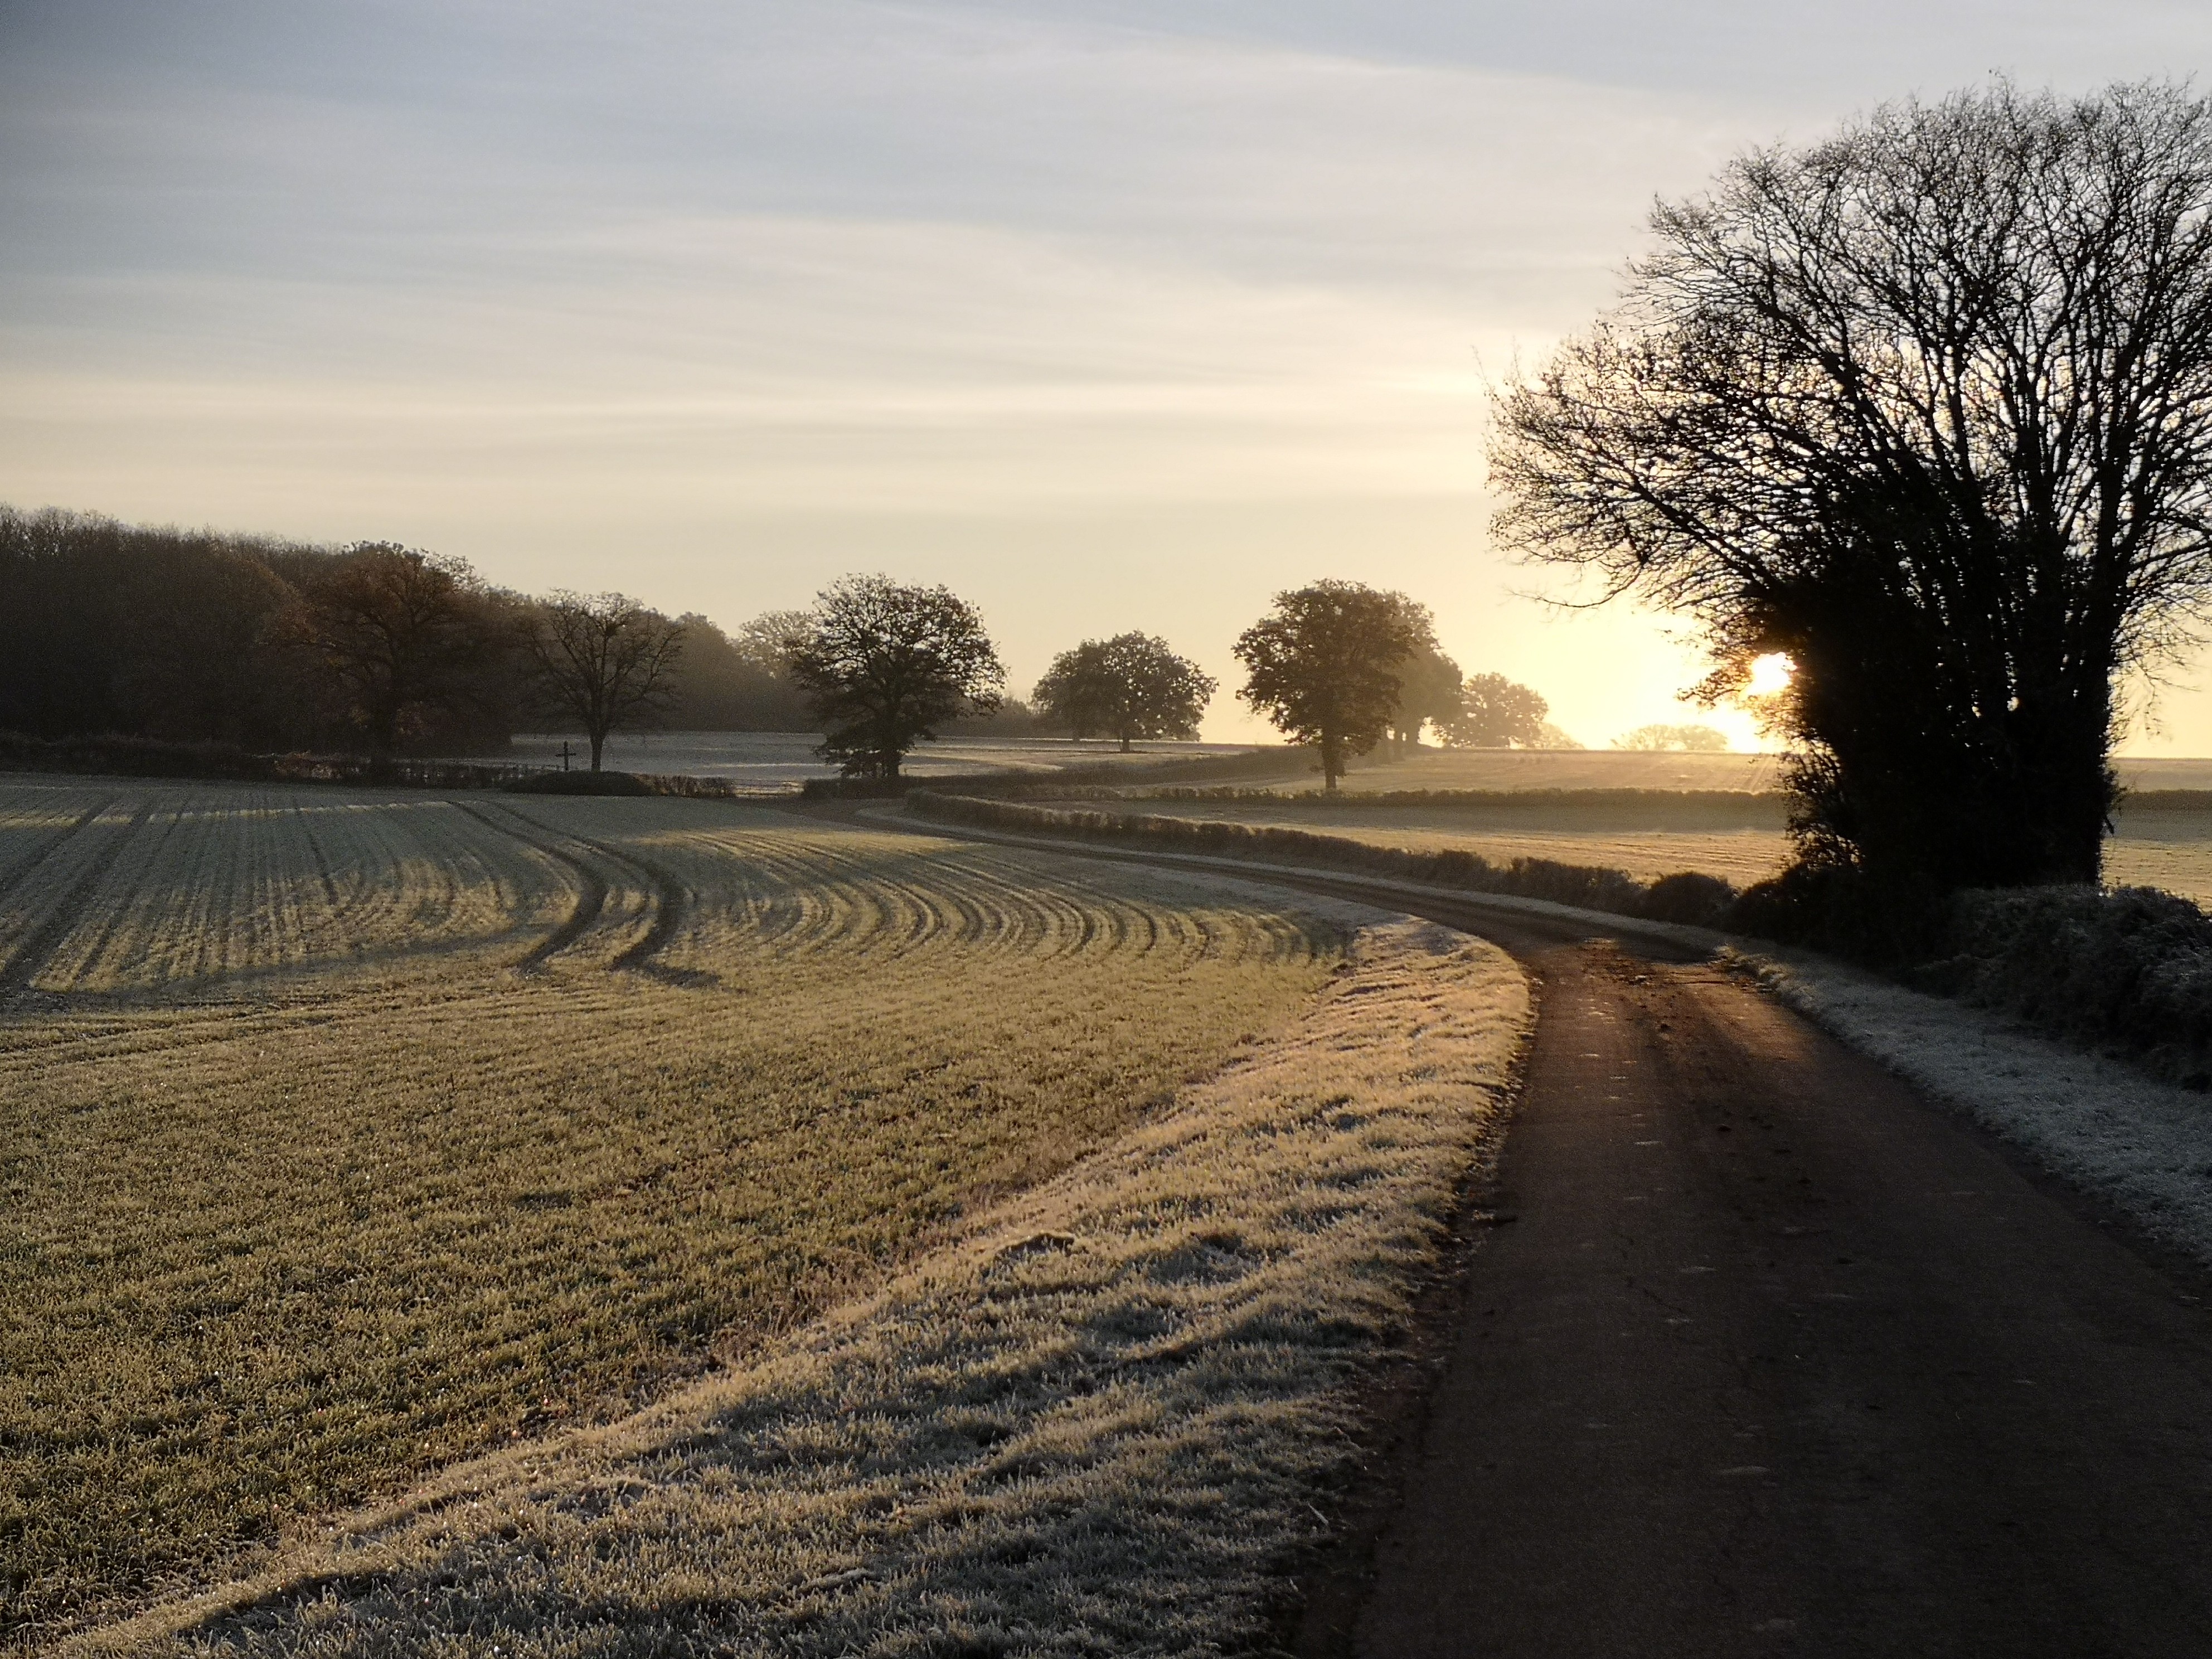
(343, 1135)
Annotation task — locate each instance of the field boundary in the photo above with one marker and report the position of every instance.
(1683, 898)
(1100, 1420)
(1382, 888)
(1607, 809)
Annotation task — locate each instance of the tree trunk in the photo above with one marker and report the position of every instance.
(598, 743)
(1332, 761)
(1125, 743)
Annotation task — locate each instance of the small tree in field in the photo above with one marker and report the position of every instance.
(884, 665)
(603, 661)
(1324, 666)
(1495, 713)
(1128, 687)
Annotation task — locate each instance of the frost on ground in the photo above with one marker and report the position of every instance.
(1096, 1424)
(2142, 1144)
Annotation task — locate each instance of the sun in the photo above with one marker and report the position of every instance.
(1770, 674)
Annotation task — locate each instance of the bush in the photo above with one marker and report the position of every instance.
(1890, 927)
(1689, 897)
(2128, 972)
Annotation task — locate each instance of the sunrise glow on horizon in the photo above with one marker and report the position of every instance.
(1111, 316)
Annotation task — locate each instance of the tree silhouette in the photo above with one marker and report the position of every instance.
(401, 633)
(603, 661)
(1323, 667)
(1428, 693)
(1928, 407)
(1495, 713)
(1128, 687)
(1686, 739)
(885, 664)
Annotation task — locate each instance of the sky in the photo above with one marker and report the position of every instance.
(1122, 314)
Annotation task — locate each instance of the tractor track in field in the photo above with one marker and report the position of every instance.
(670, 897)
(29, 958)
(53, 843)
(591, 886)
(671, 910)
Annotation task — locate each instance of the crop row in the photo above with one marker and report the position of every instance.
(296, 1203)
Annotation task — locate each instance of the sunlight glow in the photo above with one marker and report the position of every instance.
(1770, 674)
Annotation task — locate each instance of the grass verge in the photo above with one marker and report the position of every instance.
(1097, 1423)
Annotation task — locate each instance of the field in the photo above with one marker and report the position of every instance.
(2172, 851)
(346, 1135)
(1557, 768)
(1742, 856)
(1100, 1420)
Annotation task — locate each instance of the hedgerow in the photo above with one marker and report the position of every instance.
(1686, 896)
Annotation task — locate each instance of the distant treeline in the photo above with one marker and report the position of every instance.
(194, 636)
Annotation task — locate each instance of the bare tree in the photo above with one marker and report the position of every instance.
(1128, 687)
(1324, 667)
(885, 664)
(1928, 407)
(603, 661)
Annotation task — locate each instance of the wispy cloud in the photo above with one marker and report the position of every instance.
(558, 285)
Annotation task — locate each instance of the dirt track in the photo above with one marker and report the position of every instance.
(1776, 1358)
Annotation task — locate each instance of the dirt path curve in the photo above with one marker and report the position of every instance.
(1775, 1358)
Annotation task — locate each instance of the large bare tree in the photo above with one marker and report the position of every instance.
(603, 661)
(1928, 407)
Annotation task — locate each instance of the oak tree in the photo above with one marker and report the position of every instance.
(1496, 713)
(1128, 687)
(1324, 666)
(885, 664)
(403, 636)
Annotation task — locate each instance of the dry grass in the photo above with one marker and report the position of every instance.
(1096, 1425)
(1560, 769)
(347, 1137)
(1741, 856)
(2170, 851)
